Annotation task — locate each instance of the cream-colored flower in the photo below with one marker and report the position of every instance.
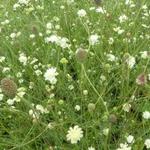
(74, 134)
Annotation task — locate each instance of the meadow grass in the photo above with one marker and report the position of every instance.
(75, 63)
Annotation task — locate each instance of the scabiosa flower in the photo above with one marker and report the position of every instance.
(8, 87)
(81, 13)
(124, 147)
(126, 107)
(146, 115)
(74, 134)
(130, 139)
(93, 39)
(81, 54)
(23, 59)
(129, 60)
(77, 108)
(141, 79)
(91, 148)
(147, 143)
(50, 75)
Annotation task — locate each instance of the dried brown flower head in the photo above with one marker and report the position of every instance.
(112, 118)
(81, 54)
(9, 87)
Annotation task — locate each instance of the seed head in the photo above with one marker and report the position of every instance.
(9, 87)
(81, 54)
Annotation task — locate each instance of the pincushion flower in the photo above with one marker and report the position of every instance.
(74, 134)
(93, 39)
(81, 13)
(147, 143)
(146, 115)
(50, 75)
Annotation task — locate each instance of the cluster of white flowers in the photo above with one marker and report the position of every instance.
(21, 3)
(50, 75)
(74, 134)
(15, 35)
(63, 42)
(123, 18)
(118, 30)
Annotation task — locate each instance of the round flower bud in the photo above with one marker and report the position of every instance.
(91, 107)
(81, 54)
(9, 87)
(112, 118)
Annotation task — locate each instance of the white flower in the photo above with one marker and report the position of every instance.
(81, 13)
(85, 92)
(50, 75)
(130, 61)
(69, 2)
(126, 107)
(10, 102)
(74, 134)
(144, 54)
(91, 148)
(1, 97)
(111, 57)
(41, 109)
(77, 108)
(124, 147)
(146, 115)
(23, 59)
(130, 139)
(147, 143)
(111, 41)
(49, 25)
(100, 10)
(93, 39)
(53, 39)
(2, 58)
(32, 36)
(23, 2)
(63, 42)
(106, 131)
(15, 6)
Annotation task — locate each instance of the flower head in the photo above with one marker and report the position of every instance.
(74, 134)
(9, 87)
(147, 143)
(50, 75)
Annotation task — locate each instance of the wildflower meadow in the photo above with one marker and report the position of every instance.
(74, 74)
